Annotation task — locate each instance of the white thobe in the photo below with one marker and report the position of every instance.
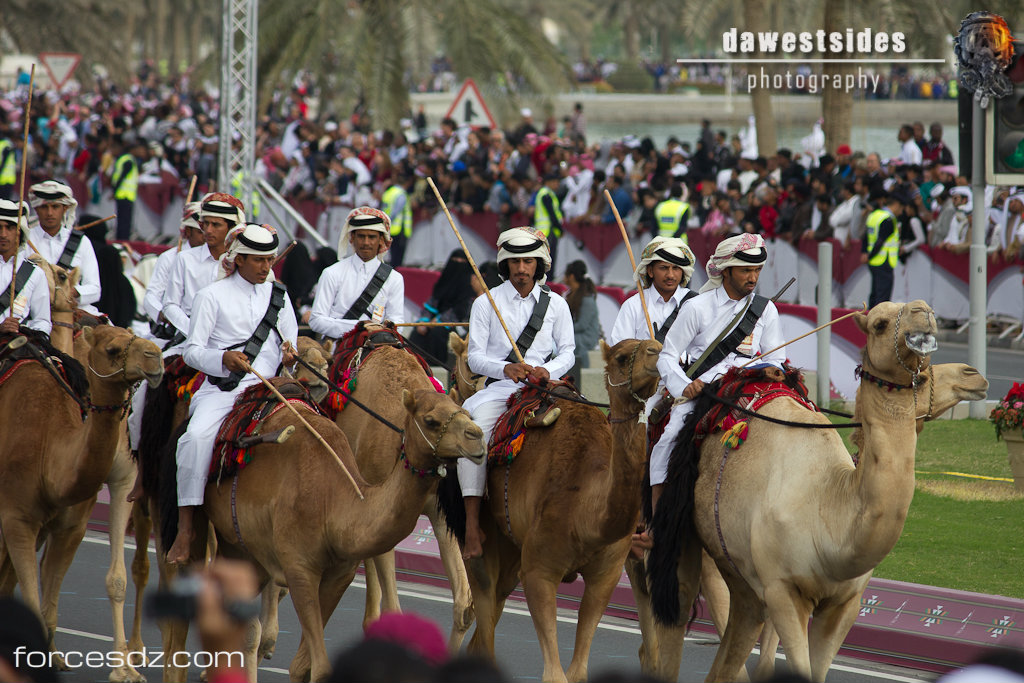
(339, 287)
(32, 304)
(153, 302)
(630, 322)
(700, 322)
(489, 348)
(225, 314)
(52, 246)
(193, 270)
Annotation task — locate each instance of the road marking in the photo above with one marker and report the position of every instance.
(361, 584)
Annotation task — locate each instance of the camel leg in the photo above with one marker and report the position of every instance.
(8, 579)
(488, 576)
(455, 569)
(789, 613)
(143, 525)
(741, 630)
(174, 632)
(65, 535)
(333, 585)
(715, 591)
(540, 586)
(305, 589)
(600, 577)
(272, 596)
(374, 595)
(385, 569)
(648, 652)
(671, 637)
(117, 578)
(20, 536)
(769, 646)
(827, 631)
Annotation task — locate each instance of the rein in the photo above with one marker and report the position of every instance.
(574, 399)
(629, 374)
(380, 418)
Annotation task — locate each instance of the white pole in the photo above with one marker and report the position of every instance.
(824, 316)
(976, 341)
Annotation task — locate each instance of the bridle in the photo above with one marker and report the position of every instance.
(472, 380)
(124, 362)
(916, 374)
(627, 381)
(440, 470)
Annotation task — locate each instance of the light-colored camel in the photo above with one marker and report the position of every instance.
(299, 518)
(62, 306)
(795, 528)
(464, 382)
(51, 461)
(567, 482)
(366, 435)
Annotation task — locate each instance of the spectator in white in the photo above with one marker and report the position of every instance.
(31, 306)
(359, 286)
(196, 268)
(1010, 226)
(958, 239)
(523, 260)
(727, 312)
(943, 211)
(665, 268)
(60, 244)
(910, 153)
(249, 313)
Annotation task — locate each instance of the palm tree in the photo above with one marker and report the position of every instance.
(369, 47)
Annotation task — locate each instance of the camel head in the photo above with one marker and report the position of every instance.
(118, 354)
(317, 357)
(438, 432)
(466, 382)
(61, 283)
(949, 383)
(901, 338)
(631, 368)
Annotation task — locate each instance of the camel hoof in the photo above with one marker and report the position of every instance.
(266, 650)
(58, 661)
(126, 674)
(204, 676)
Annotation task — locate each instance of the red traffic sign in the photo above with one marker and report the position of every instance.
(59, 66)
(469, 108)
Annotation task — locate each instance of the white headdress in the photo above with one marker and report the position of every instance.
(670, 250)
(742, 251)
(54, 192)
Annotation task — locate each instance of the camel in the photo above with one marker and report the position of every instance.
(46, 482)
(796, 528)
(567, 482)
(62, 306)
(300, 520)
(464, 382)
(376, 449)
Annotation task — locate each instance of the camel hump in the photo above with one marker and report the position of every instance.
(356, 346)
(527, 408)
(240, 431)
(36, 348)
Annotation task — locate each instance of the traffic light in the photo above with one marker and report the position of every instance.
(1004, 130)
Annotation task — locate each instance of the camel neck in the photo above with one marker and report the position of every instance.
(96, 451)
(62, 333)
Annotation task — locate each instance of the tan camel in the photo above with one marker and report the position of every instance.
(464, 382)
(62, 306)
(299, 518)
(376, 450)
(43, 477)
(799, 529)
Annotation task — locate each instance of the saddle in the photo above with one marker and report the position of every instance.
(527, 408)
(351, 352)
(181, 381)
(30, 346)
(240, 431)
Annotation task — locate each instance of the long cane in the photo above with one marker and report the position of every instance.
(24, 166)
(308, 426)
(807, 334)
(632, 261)
(483, 284)
(188, 199)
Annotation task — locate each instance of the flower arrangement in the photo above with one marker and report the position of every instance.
(1008, 416)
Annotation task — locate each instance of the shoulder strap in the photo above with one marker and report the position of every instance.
(662, 332)
(24, 273)
(533, 325)
(362, 305)
(728, 343)
(252, 346)
(70, 249)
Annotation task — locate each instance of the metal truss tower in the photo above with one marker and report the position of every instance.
(238, 99)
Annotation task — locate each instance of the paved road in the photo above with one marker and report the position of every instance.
(1005, 366)
(85, 626)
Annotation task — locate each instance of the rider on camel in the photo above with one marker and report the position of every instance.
(31, 306)
(523, 260)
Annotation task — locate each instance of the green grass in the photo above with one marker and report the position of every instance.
(961, 533)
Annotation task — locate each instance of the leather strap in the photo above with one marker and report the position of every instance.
(24, 273)
(252, 347)
(362, 305)
(533, 325)
(70, 249)
(662, 332)
(728, 342)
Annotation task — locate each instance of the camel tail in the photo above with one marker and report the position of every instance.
(167, 490)
(158, 422)
(672, 527)
(451, 506)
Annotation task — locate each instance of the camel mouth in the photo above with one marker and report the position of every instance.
(475, 458)
(154, 379)
(921, 343)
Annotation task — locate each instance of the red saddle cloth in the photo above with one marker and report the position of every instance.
(252, 407)
(181, 380)
(510, 429)
(351, 352)
(751, 389)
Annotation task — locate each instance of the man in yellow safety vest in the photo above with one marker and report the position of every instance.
(547, 214)
(881, 246)
(8, 174)
(672, 214)
(395, 202)
(124, 179)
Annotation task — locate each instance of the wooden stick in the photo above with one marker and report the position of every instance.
(308, 426)
(188, 198)
(24, 168)
(806, 334)
(432, 324)
(483, 284)
(291, 245)
(96, 222)
(632, 261)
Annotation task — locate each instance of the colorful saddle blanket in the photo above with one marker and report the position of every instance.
(748, 388)
(181, 381)
(510, 429)
(70, 370)
(351, 352)
(252, 407)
